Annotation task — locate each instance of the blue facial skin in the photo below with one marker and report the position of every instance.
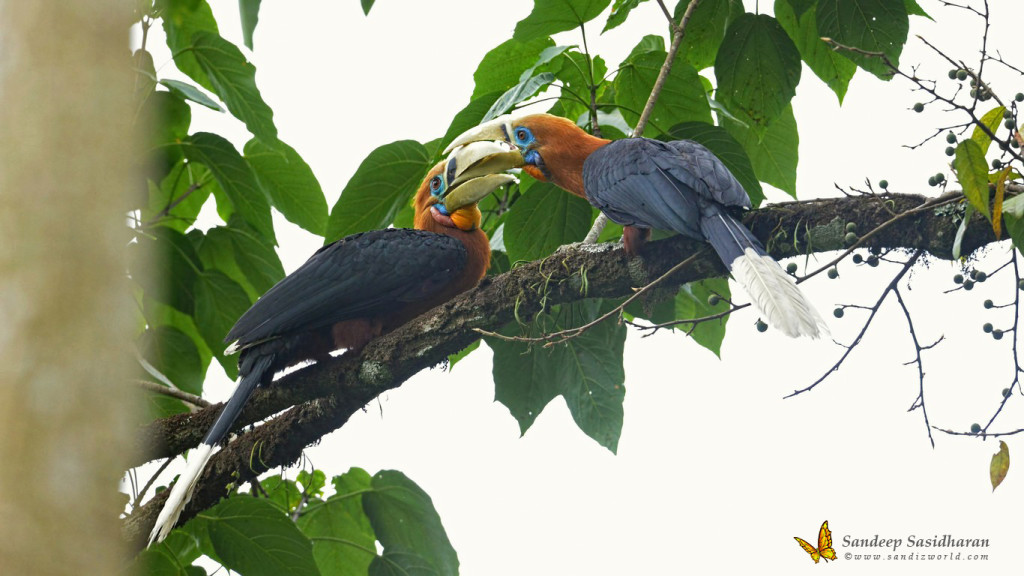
(437, 189)
(523, 137)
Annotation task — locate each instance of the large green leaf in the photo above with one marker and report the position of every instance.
(586, 370)
(179, 263)
(190, 92)
(706, 29)
(800, 7)
(727, 149)
(682, 98)
(972, 172)
(576, 81)
(145, 74)
(249, 13)
(176, 202)
(992, 119)
(254, 538)
(468, 117)
(233, 78)
(220, 301)
(1013, 220)
(692, 302)
(239, 253)
(182, 19)
(290, 183)
(367, 4)
(774, 152)
(757, 68)
(521, 92)
(343, 540)
(544, 218)
(620, 11)
(407, 525)
(833, 69)
(235, 178)
(385, 182)
(165, 119)
(871, 25)
(501, 68)
(174, 355)
(552, 16)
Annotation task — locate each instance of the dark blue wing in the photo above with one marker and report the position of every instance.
(665, 185)
(358, 276)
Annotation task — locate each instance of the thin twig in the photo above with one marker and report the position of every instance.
(920, 364)
(172, 392)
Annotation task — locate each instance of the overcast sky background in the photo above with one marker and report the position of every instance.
(715, 472)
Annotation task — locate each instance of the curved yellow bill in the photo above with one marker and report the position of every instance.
(474, 190)
(498, 129)
(475, 170)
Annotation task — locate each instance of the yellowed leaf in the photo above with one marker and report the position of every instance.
(997, 208)
(1000, 465)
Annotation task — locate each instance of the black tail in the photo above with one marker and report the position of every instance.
(254, 367)
(727, 235)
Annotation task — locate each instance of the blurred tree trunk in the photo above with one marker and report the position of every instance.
(65, 168)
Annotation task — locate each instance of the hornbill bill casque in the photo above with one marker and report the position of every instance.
(643, 184)
(357, 288)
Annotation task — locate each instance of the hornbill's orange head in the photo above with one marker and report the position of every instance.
(551, 148)
(449, 194)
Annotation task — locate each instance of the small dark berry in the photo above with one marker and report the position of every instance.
(968, 284)
(838, 312)
(952, 74)
(961, 75)
(713, 300)
(986, 327)
(981, 276)
(1006, 392)
(883, 184)
(987, 304)
(940, 177)
(1020, 284)
(931, 181)
(997, 334)
(950, 151)
(951, 138)
(1019, 97)
(1007, 113)
(997, 163)
(833, 273)
(851, 226)
(1013, 144)
(873, 261)
(918, 107)
(975, 428)
(791, 268)
(857, 259)
(850, 237)
(974, 83)
(985, 96)
(958, 279)
(1002, 145)
(761, 326)
(973, 274)
(1010, 124)
(974, 92)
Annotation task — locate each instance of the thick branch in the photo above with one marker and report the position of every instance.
(320, 398)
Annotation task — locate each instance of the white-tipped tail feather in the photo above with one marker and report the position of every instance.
(774, 293)
(181, 492)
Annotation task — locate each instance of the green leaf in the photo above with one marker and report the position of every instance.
(544, 218)
(972, 172)
(519, 93)
(166, 119)
(253, 537)
(235, 178)
(190, 92)
(176, 203)
(706, 29)
(959, 238)
(552, 16)
(469, 117)
(871, 25)
(281, 492)
(1000, 465)
(800, 7)
(249, 12)
(405, 521)
(502, 67)
(367, 4)
(343, 540)
(220, 301)
(312, 482)
(682, 97)
(620, 11)
(384, 183)
(833, 69)
(575, 98)
(692, 303)
(757, 68)
(454, 359)
(156, 561)
(181, 20)
(914, 9)
(233, 78)
(727, 149)
(179, 266)
(145, 74)
(173, 353)
(586, 370)
(773, 153)
(290, 183)
(993, 120)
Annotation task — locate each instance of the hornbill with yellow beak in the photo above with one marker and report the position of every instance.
(357, 288)
(643, 184)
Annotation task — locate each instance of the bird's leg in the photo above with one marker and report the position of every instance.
(596, 229)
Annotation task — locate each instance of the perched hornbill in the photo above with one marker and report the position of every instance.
(644, 184)
(357, 288)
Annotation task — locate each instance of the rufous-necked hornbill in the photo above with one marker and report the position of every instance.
(357, 288)
(643, 184)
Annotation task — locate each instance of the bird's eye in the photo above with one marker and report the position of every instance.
(522, 134)
(435, 185)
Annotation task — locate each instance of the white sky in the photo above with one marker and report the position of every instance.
(715, 472)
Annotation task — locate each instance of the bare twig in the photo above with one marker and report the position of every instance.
(919, 402)
(172, 392)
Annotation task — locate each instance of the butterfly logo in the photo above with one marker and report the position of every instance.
(824, 549)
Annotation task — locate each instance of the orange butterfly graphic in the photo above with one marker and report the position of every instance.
(824, 549)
